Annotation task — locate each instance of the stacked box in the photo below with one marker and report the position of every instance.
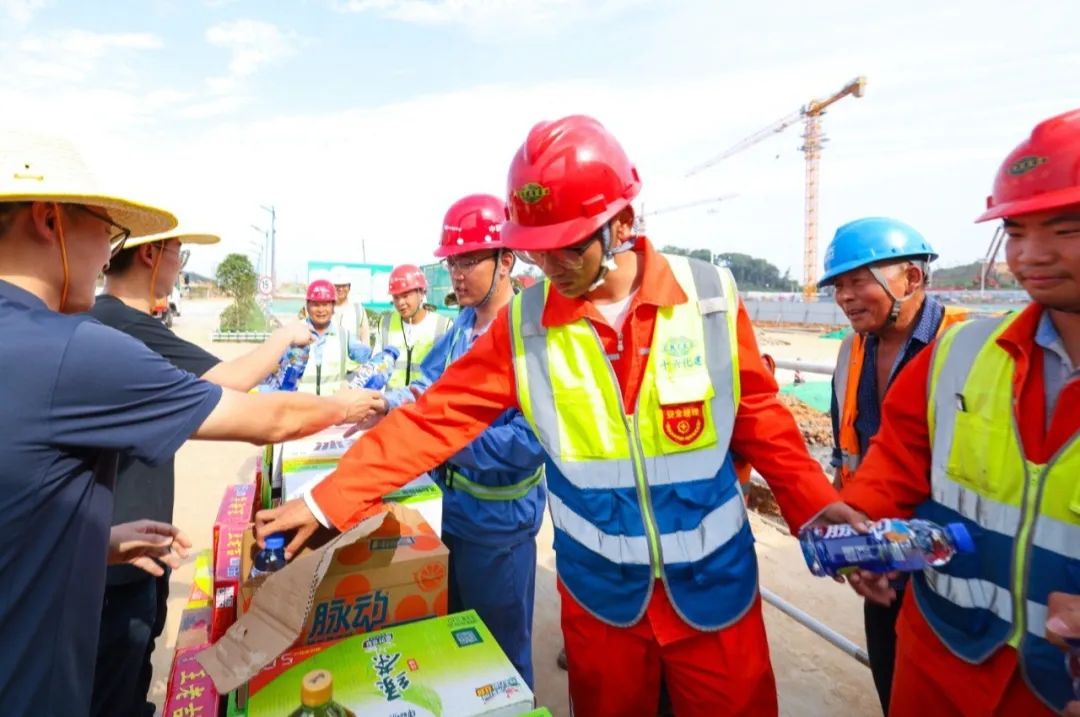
(237, 508)
(227, 566)
(190, 691)
(394, 574)
(202, 584)
(448, 666)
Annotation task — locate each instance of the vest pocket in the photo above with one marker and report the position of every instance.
(978, 447)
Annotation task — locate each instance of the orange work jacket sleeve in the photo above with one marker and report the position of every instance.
(473, 392)
(894, 476)
(767, 436)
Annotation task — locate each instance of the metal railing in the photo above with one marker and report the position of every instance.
(247, 337)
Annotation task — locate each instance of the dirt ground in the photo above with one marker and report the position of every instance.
(813, 677)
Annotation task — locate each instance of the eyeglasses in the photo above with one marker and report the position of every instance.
(571, 257)
(464, 264)
(118, 238)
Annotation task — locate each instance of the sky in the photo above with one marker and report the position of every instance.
(361, 121)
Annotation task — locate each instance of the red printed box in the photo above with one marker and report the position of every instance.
(237, 508)
(191, 692)
(227, 563)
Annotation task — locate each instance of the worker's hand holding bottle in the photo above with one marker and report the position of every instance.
(294, 333)
(360, 404)
(1063, 630)
(146, 543)
(292, 516)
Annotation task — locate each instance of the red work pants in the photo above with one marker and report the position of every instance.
(616, 671)
(929, 681)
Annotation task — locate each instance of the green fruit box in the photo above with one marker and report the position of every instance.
(442, 667)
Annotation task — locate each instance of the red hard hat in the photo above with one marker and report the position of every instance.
(406, 278)
(1042, 173)
(569, 179)
(321, 290)
(473, 223)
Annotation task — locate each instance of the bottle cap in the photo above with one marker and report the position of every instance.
(961, 538)
(275, 541)
(393, 351)
(317, 688)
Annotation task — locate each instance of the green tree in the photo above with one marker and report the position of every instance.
(236, 277)
(750, 273)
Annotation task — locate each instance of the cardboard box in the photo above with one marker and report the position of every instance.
(448, 666)
(190, 690)
(394, 574)
(422, 494)
(390, 568)
(322, 448)
(227, 563)
(195, 623)
(237, 508)
(202, 584)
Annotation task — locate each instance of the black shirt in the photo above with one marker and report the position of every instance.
(144, 491)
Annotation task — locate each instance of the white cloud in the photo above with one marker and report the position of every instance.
(72, 55)
(493, 19)
(22, 11)
(252, 44)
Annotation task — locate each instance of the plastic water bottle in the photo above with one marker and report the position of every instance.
(271, 558)
(904, 545)
(292, 367)
(376, 373)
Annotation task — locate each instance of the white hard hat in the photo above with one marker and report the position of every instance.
(339, 276)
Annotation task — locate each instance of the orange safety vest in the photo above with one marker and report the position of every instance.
(849, 367)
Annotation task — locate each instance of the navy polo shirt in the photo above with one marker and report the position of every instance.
(76, 395)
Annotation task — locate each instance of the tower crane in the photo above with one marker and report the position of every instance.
(640, 228)
(813, 140)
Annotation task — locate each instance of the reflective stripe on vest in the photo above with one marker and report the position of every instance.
(849, 366)
(637, 496)
(457, 480)
(331, 374)
(1025, 517)
(424, 336)
(593, 450)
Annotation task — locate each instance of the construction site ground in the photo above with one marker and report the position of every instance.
(813, 677)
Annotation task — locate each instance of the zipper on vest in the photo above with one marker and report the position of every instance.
(637, 456)
(655, 554)
(1025, 536)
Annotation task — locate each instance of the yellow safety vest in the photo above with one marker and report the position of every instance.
(423, 336)
(1024, 516)
(645, 492)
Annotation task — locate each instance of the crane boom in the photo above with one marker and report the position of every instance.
(762, 134)
(689, 205)
(813, 140)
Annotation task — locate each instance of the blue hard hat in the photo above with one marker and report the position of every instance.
(868, 241)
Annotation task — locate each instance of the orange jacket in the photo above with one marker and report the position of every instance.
(848, 439)
(480, 386)
(894, 478)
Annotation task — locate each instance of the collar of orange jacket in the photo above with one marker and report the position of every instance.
(658, 288)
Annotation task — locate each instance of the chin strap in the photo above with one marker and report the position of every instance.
(63, 257)
(897, 302)
(494, 280)
(608, 262)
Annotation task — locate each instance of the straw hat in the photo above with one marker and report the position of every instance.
(35, 168)
(180, 233)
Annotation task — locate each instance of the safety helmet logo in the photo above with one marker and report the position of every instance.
(1025, 165)
(532, 192)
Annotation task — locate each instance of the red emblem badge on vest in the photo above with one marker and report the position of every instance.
(684, 422)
